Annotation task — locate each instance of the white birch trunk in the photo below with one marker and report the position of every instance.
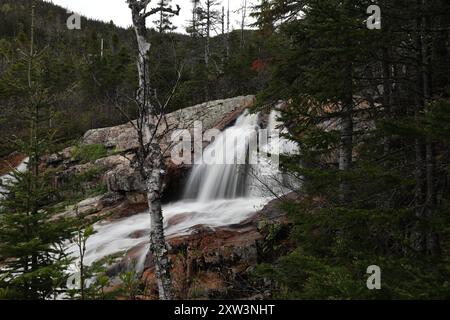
(150, 158)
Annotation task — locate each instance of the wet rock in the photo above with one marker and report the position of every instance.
(129, 261)
(137, 198)
(138, 234)
(178, 219)
(111, 199)
(124, 210)
(208, 261)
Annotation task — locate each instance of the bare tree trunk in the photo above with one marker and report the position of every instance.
(244, 16)
(208, 32)
(425, 201)
(150, 158)
(227, 38)
(346, 143)
(432, 243)
(154, 182)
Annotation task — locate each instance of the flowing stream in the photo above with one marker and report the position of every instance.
(216, 195)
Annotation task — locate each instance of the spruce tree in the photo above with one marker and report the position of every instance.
(376, 99)
(31, 242)
(164, 22)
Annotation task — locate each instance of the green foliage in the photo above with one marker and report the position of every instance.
(89, 153)
(130, 283)
(32, 241)
(335, 247)
(90, 85)
(395, 213)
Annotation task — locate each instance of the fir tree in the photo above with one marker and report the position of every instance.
(361, 105)
(164, 23)
(31, 242)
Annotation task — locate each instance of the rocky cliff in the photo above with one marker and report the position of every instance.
(114, 167)
(207, 263)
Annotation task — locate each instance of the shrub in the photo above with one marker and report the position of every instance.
(90, 153)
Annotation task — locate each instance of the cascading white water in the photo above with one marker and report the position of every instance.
(216, 195)
(285, 146)
(9, 178)
(223, 176)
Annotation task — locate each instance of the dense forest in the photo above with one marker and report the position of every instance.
(95, 67)
(367, 101)
(378, 100)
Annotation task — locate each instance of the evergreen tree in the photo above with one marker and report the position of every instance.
(164, 23)
(361, 105)
(31, 243)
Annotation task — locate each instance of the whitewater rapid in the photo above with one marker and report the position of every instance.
(215, 196)
(180, 219)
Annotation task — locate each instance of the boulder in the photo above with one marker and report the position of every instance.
(114, 161)
(89, 205)
(124, 137)
(208, 264)
(119, 175)
(124, 178)
(111, 199)
(63, 157)
(85, 208)
(137, 197)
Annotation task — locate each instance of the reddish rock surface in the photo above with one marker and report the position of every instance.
(217, 263)
(10, 162)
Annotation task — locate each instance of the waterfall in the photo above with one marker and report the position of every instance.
(285, 146)
(9, 177)
(215, 180)
(216, 194)
(218, 179)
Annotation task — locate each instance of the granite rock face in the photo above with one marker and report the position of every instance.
(218, 263)
(120, 176)
(124, 138)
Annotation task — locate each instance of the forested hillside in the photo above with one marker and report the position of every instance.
(352, 96)
(370, 110)
(91, 82)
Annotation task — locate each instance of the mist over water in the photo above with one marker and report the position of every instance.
(216, 195)
(224, 181)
